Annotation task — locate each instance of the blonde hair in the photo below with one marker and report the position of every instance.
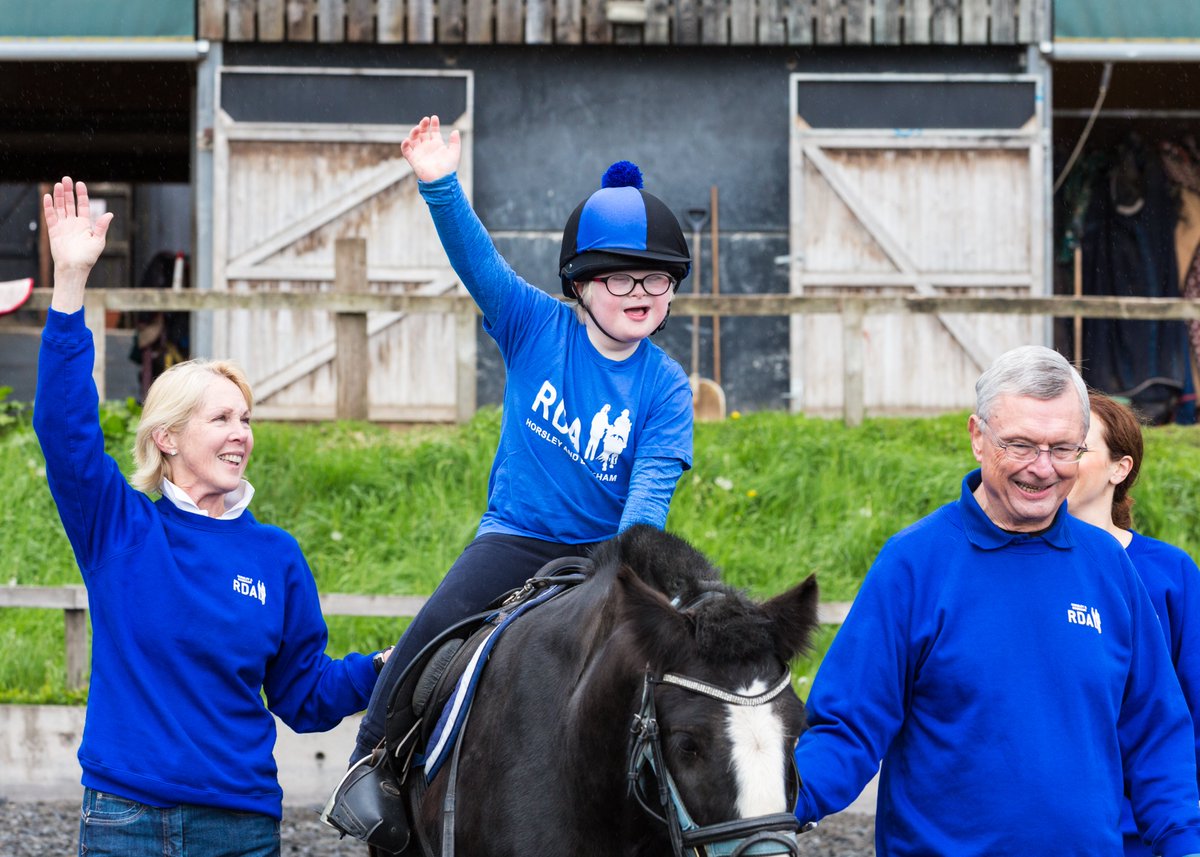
(173, 398)
(581, 288)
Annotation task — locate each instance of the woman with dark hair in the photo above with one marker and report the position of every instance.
(1101, 497)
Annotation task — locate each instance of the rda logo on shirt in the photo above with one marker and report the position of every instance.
(607, 439)
(246, 586)
(1081, 615)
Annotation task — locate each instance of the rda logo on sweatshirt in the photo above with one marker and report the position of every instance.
(1081, 615)
(246, 586)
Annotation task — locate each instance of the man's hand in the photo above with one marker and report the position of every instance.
(430, 156)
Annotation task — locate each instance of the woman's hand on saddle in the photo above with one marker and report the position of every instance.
(430, 156)
(75, 242)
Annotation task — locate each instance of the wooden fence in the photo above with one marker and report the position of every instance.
(353, 305)
(651, 22)
(73, 601)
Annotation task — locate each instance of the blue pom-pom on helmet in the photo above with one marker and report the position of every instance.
(622, 174)
(621, 227)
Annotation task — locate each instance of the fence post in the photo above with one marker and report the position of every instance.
(853, 394)
(464, 365)
(353, 359)
(76, 645)
(94, 313)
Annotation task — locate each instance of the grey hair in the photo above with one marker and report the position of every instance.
(1030, 370)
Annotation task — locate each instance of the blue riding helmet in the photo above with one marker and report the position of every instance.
(621, 228)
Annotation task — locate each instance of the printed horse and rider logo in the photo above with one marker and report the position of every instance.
(246, 586)
(1080, 614)
(607, 438)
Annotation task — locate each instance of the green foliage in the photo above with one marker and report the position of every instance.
(771, 498)
(34, 550)
(12, 414)
(118, 421)
(1167, 493)
(34, 669)
(774, 497)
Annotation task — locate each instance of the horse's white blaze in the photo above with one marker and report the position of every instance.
(757, 755)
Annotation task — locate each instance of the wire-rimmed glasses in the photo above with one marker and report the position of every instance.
(1026, 453)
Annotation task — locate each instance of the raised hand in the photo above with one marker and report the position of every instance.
(75, 243)
(427, 153)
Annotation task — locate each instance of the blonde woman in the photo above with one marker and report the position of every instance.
(199, 612)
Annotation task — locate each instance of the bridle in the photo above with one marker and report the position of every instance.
(759, 835)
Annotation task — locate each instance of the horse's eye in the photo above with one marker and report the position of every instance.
(685, 743)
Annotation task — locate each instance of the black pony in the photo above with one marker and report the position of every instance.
(645, 711)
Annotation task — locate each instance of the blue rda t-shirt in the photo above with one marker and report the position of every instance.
(574, 421)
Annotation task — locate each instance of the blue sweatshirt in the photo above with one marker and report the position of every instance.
(193, 619)
(588, 445)
(1173, 582)
(1013, 686)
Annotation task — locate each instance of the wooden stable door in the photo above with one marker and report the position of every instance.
(913, 184)
(304, 157)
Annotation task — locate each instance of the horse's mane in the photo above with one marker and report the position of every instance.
(662, 561)
(727, 626)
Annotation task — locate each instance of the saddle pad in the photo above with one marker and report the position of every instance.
(455, 711)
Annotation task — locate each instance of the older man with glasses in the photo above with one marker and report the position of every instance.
(1003, 661)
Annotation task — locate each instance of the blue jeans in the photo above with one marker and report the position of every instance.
(111, 826)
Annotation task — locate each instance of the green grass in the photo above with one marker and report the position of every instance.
(1167, 493)
(772, 498)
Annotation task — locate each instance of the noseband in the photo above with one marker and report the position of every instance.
(760, 835)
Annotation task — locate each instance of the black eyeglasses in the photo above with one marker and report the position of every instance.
(1027, 453)
(619, 285)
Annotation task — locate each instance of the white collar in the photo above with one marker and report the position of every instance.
(236, 500)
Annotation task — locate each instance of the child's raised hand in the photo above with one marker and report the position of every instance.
(75, 243)
(427, 153)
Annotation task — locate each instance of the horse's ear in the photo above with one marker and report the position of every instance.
(794, 615)
(659, 630)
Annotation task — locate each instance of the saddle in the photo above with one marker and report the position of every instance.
(378, 799)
